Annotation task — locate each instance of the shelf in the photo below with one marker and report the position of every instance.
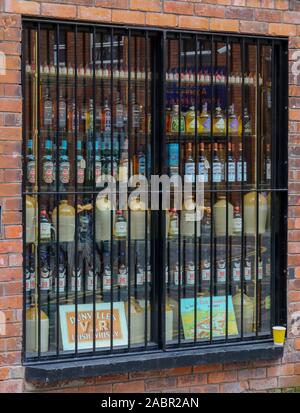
(190, 137)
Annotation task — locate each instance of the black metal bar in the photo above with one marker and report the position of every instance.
(111, 34)
(196, 269)
(227, 186)
(38, 182)
(94, 189)
(181, 168)
(212, 237)
(242, 265)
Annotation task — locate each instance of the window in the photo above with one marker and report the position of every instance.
(192, 250)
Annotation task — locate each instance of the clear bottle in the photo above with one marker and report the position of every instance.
(45, 277)
(205, 272)
(221, 271)
(76, 279)
(45, 226)
(91, 279)
(248, 270)
(64, 163)
(81, 164)
(189, 164)
(231, 165)
(236, 270)
(203, 164)
(48, 110)
(190, 273)
(48, 164)
(122, 272)
(175, 123)
(107, 273)
(216, 166)
(31, 163)
(173, 223)
(61, 278)
(241, 173)
(219, 124)
(120, 230)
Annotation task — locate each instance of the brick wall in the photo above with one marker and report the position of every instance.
(272, 17)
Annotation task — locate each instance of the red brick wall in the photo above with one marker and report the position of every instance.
(272, 17)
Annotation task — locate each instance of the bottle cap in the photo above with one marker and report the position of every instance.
(119, 212)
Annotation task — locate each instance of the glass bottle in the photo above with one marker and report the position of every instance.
(205, 272)
(221, 271)
(48, 164)
(48, 110)
(236, 270)
(216, 166)
(98, 165)
(203, 164)
(120, 230)
(240, 173)
(31, 164)
(175, 120)
(64, 163)
(206, 222)
(173, 158)
(90, 118)
(45, 226)
(233, 124)
(76, 279)
(190, 120)
(219, 124)
(141, 162)
(106, 117)
(62, 111)
(173, 223)
(204, 124)
(81, 164)
(190, 273)
(237, 220)
(247, 123)
(106, 275)
(267, 165)
(231, 167)
(136, 113)
(122, 272)
(119, 112)
(189, 165)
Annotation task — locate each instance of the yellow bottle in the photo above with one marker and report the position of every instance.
(204, 121)
(190, 120)
(219, 125)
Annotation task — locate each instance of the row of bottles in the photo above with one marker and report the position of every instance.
(187, 274)
(83, 278)
(118, 72)
(204, 77)
(185, 122)
(84, 118)
(107, 163)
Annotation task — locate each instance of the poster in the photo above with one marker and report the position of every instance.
(203, 317)
(85, 325)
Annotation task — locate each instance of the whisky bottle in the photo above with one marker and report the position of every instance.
(173, 158)
(233, 124)
(216, 166)
(231, 166)
(173, 223)
(189, 165)
(120, 230)
(119, 112)
(81, 164)
(204, 124)
(136, 113)
(31, 164)
(64, 163)
(241, 173)
(219, 125)
(62, 112)
(237, 220)
(175, 122)
(45, 227)
(106, 117)
(203, 165)
(48, 110)
(48, 164)
(268, 164)
(190, 120)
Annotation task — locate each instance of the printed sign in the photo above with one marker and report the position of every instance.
(203, 317)
(85, 324)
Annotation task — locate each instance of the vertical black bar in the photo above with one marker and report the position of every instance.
(227, 188)
(147, 176)
(94, 191)
(38, 180)
(24, 169)
(179, 212)
(258, 153)
(196, 269)
(130, 115)
(212, 186)
(112, 177)
(242, 265)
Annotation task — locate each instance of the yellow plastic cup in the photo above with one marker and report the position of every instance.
(279, 335)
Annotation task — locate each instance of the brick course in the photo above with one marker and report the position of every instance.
(270, 17)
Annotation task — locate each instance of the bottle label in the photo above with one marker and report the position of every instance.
(135, 117)
(221, 272)
(31, 172)
(142, 165)
(173, 227)
(268, 171)
(189, 172)
(98, 173)
(107, 121)
(45, 279)
(268, 268)
(220, 125)
(240, 172)
(140, 276)
(206, 271)
(45, 230)
(203, 171)
(62, 116)
(236, 272)
(48, 172)
(106, 280)
(260, 271)
(175, 124)
(237, 225)
(121, 229)
(231, 171)
(119, 116)
(191, 126)
(73, 283)
(64, 172)
(90, 281)
(123, 278)
(176, 277)
(206, 125)
(190, 276)
(217, 172)
(233, 125)
(48, 113)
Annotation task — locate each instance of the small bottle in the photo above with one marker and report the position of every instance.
(203, 165)
(81, 164)
(45, 226)
(122, 273)
(140, 274)
(205, 273)
(31, 164)
(120, 230)
(106, 275)
(48, 164)
(175, 123)
(106, 117)
(91, 279)
(190, 274)
(236, 270)
(61, 279)
(221, 271)
(136, 113)
(216, 166)
(64, 163)
(177, 275)
(119, 117)
(240, 171)
(219, 125)
(267, 168)
(76, 279)
(233, 124)
(206, 223)
(231, 166)
(260, 269)
(247, 270)
(173, 223)
(247, 123)
(45, 279)
(62, 112)
(189, 165)
(48, 110)
(237, 220)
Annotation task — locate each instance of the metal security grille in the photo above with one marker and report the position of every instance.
(105, 270)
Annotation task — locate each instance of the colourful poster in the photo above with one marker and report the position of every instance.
(203, 317)
(85, 325)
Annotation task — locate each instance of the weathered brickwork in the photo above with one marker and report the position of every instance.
(270, 17)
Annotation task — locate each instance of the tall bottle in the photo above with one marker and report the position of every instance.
(190, 120)
(140, 162)
(203, 164)
(233, 124)
(136, 113)
(45, 226)
(62, 112)
(48, 164)
(31, 164)
(241, 173)
(231, 167)
(216, 166)
(64, 163)
(189, 165)
(204, 124)
(119, 115)
(175, 120)
(81, 164)
(48, 110)
(219, 124)
(267, 166)
(106, 117)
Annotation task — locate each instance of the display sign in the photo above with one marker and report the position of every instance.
(85, 332)
(203, 317)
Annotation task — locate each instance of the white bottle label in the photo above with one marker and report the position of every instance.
(240, 172)
(247, 271)
(45, 280)
(140, 276)
(237, 225)
(236, 271)
(73, 283)
(64, 172)
(176, 277)
(80, 171)
(203, 172)
(48, 172)
(189, 172)
(260, 270)
(217, 172)
(31, 172)
(190, 275)
(28, 281)
(206, 271)
(123, 278)
(121, 229)
(268, 171)
(90, 281)
(45, 230)
(106, 280)
(231, 171)
(98, 173)
(221, 272)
